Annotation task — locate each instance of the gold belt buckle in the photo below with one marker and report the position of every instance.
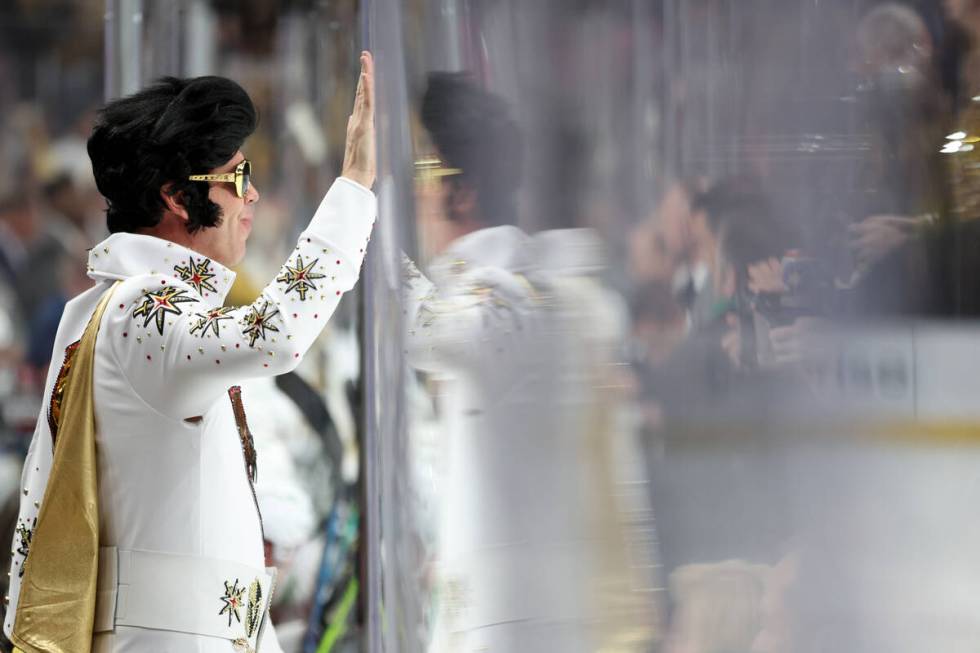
(242, 646)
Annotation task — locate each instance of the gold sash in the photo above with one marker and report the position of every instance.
(56, 605)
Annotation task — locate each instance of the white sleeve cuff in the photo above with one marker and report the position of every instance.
(362, 187)
(345, 217)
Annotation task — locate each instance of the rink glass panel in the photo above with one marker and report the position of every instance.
(819, 502)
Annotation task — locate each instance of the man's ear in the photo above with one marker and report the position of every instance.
(174, 201)
(462, 202)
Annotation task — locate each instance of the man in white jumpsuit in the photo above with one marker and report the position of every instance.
(180, 564)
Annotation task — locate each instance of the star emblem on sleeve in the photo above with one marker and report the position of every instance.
(299, 277)
(234, 600)
(24, 534)
(197, 274)
(156, 305)
(211, 321)
(257, 321)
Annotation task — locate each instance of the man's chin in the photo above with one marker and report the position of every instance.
(239, 257)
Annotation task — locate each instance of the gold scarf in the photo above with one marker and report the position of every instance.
(56, 605)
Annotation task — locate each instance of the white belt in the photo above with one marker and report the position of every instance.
(181, 593)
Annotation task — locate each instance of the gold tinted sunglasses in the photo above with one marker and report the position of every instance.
(241, 177)
(431, 168)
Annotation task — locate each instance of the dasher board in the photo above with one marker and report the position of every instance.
(925, 371)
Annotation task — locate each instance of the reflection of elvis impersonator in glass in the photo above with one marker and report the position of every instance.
(529, 551)
(138, 527)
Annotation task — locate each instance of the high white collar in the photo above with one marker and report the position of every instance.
(125, 255)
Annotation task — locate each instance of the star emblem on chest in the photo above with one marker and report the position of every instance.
(211, 321)
(197, 274)
(300, 278)
(156, 305)
(258, 321)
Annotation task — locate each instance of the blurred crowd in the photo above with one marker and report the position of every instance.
(50, 211)
(720, 255)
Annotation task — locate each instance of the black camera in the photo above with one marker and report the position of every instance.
(810, 292)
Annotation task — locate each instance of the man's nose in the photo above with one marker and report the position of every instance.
(252, 194)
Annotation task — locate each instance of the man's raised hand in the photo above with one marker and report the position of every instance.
(360, 158)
